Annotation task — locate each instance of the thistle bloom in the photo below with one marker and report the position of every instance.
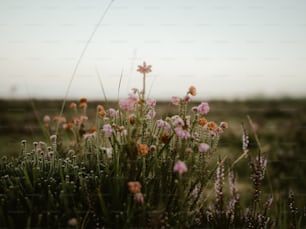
(160, 123)
(151, 103)
(144, 69)
(175, 100)
(142, 149)
(180, 167)
(203, 148)
(108, 130)
(112, 112)
(203, 108)
(192, 91)
(134, 186)
(138, 197)
(73, 106)
(47, 118)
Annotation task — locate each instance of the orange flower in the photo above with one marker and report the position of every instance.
(144, 68)
(72, 106)
(165, 138)
(192, 91)
(83, 100)
(142, 149)
(68, 126)
(83, 105)
(202, 121)
(132, 119)
(134, 186)
(93, 129)
(212, 126)
(101, 110)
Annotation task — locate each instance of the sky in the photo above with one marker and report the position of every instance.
(227, 49)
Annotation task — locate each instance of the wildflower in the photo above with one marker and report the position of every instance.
(138, 197)
(160, 123)
(53, 138)
(219, 130)
(108, 130)
(132, 119)
(73, 106)
(184, 134)
(83, 105)
(151, 103)
(83, 118)
(151, 114)
(134, 186)
(101, 110)
(59, 119)
(187, 98)
(46, 118)
(67, 126)
(224, 125)
(178, 121)
(76, 121)
(212, 126)
(180, 167)
(165, 138)
(203, 148)
(203, 108)
(175, 100)
(127, 104)
(93, 129)
(83, 100)
(192, 91)
(202, 121)
(112, 112)
(144, 68)
(73, 222)
(153, 148)
(142, 149)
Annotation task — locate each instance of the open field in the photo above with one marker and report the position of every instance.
(280, 125)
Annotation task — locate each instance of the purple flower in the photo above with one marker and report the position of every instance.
(180, 167)
(160, 123)
(112, 112)
(108, 130)
(203, 148)
(183, 134)
(203, 108)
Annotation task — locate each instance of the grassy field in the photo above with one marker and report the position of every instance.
(280, 125)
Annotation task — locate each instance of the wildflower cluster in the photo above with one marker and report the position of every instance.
(127, 168)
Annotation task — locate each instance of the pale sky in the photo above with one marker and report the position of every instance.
(227, 49)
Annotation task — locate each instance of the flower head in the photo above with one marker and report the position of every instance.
(108, 130)
(192, 91)
(175, 100)
(144, 68)
(134, 186)
(203, 108)
(180, 167)
(142, 149)
(47, 118)
(138, 197)
(73, 106)
(203, 148)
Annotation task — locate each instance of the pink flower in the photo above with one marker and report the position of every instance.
(183, 134)
(160, 123)
(108, 130)
(180, 167)
(178, 121)
(175, 100)
(151, 114)
(127, 104)
(203, 148)
(47, 118)
(151, 103)
(138, 197)
(203, 108)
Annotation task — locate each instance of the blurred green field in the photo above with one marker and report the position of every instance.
(280, 124)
